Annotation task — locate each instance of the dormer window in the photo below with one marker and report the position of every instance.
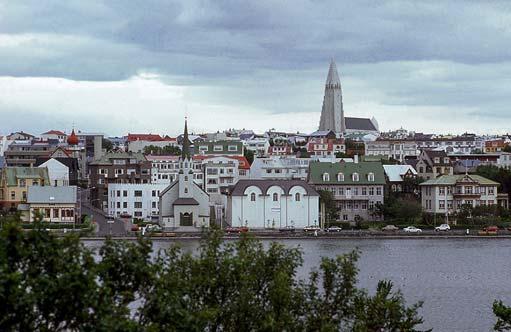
(340, 177)
(326, 177)
(436, 160)
(370, 177)
(446, 160)
(355, 177)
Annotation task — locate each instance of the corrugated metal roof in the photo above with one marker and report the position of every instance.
(317, 169)
(55, 195)
(13, 173)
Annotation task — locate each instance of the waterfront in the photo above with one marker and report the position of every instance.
(457, 279)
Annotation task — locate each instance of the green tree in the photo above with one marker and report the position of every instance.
(503, 314)
(331, 212)
(167, 150)
(249, 154)
(107, 145)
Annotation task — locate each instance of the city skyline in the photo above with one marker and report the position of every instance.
(425, 67)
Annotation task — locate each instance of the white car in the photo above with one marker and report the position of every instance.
(443, 227)
(332, 229)
(412, 229)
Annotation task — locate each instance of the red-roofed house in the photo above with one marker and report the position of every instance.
(137, 142)
(54, 134)
(325, 146)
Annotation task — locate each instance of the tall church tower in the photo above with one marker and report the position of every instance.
(185, 176)
(332, 113)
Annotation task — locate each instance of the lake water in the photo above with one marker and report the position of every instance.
(457, 279)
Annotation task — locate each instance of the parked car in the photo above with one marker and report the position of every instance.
(135, 228)
(125, 216)
(412, 229)
(390, 228)
(333, 229)
(153, 228)
(311, 229)
(443, 228)
(236, 230)
(490, 230)
(285, 229)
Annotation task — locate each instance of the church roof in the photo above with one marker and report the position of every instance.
(359, 124)
(186, 201)
(264, 185)
(333, 75)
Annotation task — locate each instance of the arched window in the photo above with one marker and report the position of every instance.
(253, 197)
(297, 197)
(326, 177)
(355, 177)
(275, 197)
(370, 177)
(186, 190)
(340, 177)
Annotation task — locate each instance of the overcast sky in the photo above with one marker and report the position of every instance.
(119, 66)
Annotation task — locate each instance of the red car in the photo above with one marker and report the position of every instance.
(236, 230)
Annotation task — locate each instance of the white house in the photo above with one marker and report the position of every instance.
(139, 200)
(56, 204)
(57, 172)
(273, 204)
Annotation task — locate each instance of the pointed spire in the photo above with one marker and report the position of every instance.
(333, 75)
(185, 154)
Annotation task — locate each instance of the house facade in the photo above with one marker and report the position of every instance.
(138, 200)
(55, 204)
(448, 193)
(397, 149)
(273, 204)
(432, 164)
(356, 187)
(15, 182)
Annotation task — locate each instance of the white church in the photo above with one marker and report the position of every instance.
(183, 205)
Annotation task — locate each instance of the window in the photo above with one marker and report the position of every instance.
(253, 197)
(153, 204)
(441, 205)
(118, 193)
(203, 148)
(125, 205)
(449, 204)
(13, 195)
(218, 148)
(341, 191)
(364, 191)
(297, 197)
(23, 183)
(118, 205)
(47, 213)
(154, 193)
(275, 197)
(125, 193)
(491, 190)
(326, 177)
(355, 177)
(355, 191)
(186, 190)
(371, 191)
(340, 177)
(232, 148)
(441, 191)
(378, 191)
(370, 177)
(56, 213)
(138, 193)
(137, 205)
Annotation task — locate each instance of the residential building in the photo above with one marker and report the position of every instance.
(20, 136)
(121, 167)
(183, 205)
(356, 187)
(325, 146)
(448, 193)
(54, 135)
(165, 169)
(258, 145)
(401, 178)
(397, 149)
(24, 153)
(58, 173)
(273, 204)
(467, 143)
(137, 200)
(432, 164)
(15, 181)
(219, 148)
(55, 204)
(494, 145)
(138, 142)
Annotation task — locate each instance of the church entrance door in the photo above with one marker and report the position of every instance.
(186, 219)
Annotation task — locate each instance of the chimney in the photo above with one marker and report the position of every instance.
(355, 159)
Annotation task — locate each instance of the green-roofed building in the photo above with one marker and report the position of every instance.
(447, 193)
(15, 181)
(356, 187)
(219, 148)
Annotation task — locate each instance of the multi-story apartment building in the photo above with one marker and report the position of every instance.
(432, 164)
(356, 187)
(397, 149)
(165, 169)
(137, 200)
(494, 145)
(448, 193)
(124, 167)
(24, 153)
(219, 148)
(467, 143)
(258, 145)
(15, 181)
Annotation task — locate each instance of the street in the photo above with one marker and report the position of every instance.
(103, 227)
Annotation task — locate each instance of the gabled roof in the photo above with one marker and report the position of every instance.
(395, 172)
(52, 195)
(14, 173)
(359, 124)
(317, 169)
(449, 180)
(54, 132)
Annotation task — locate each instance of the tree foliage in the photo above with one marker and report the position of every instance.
(168, 150)
(503, 314)
(497, 174)
(249, 154)
(49, 283)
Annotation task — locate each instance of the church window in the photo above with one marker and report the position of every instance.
(275, 197)
(297, 197)
(186, 190)
(252, 197)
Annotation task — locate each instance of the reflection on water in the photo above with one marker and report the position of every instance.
(457, 279)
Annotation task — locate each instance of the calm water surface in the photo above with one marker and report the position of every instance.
(457, 279)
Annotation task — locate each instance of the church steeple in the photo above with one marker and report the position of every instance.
(332, 113)
(185, 153)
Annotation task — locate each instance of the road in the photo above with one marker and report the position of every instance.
(99, 217)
